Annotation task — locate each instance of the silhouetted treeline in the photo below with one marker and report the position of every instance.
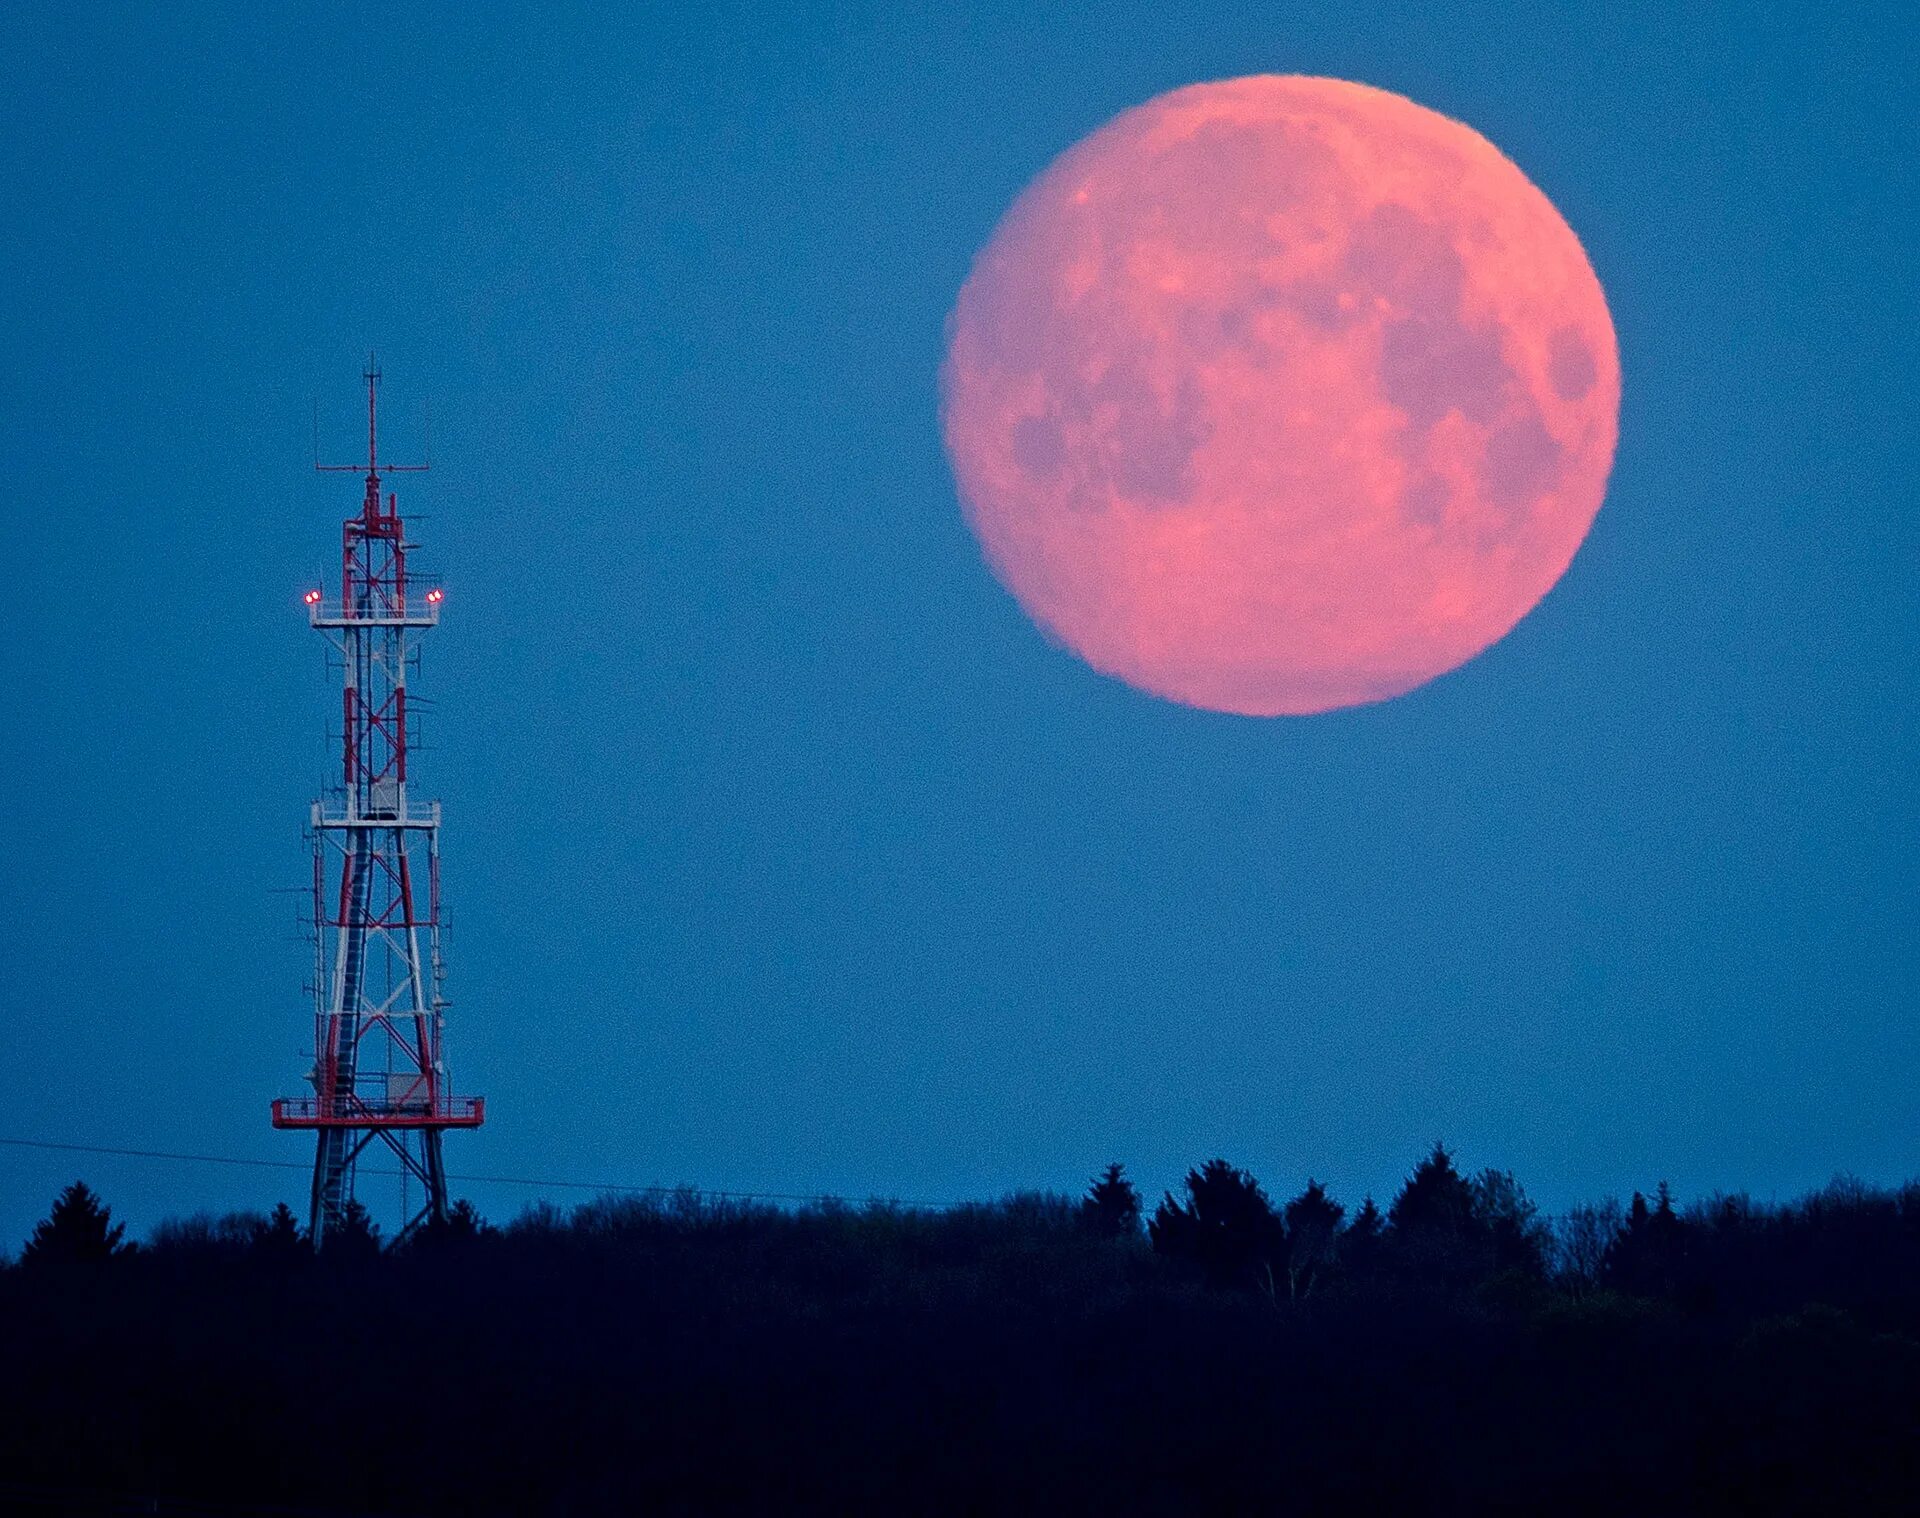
(1452, 1352)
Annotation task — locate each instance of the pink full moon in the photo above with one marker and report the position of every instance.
(1281, 394)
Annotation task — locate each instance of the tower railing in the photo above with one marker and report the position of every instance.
(412, 815)
(345, 1111)
(420, 611)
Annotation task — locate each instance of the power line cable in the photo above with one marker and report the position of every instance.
(475, 1180)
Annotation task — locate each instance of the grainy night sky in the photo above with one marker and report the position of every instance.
(782, 852)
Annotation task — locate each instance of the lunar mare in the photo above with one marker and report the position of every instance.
(1279, 395)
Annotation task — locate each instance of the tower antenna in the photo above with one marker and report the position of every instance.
(379, 1012)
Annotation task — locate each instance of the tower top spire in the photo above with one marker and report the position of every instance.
(373, 468)
(372, 377)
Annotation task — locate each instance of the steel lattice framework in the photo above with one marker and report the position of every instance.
(379, 1071)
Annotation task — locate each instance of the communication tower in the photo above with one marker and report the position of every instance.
(379, 1071)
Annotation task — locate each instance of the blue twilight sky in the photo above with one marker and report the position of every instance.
(783, 853)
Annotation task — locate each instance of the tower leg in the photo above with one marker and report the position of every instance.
(436, 1175)
(329, 1183)
(330, 1191)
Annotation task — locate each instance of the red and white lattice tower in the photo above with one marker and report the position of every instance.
(379, 1071)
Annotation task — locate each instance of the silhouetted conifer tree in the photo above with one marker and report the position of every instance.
(355, 1237)
(1313, 1232)
(1226, 1227)
(1434, 1228)
(464, 1220)
(1435, 1199)
(1362, 1240)
(280, 1237)
(1649, 1255)
(1111, 1207)
(462, 1225)
(78, 1231)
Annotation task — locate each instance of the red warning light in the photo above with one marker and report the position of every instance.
(436, 595)
(312, 597)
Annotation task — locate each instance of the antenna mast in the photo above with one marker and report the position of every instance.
(379, 1015)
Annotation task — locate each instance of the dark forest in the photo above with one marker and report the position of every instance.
(1452, 1351)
